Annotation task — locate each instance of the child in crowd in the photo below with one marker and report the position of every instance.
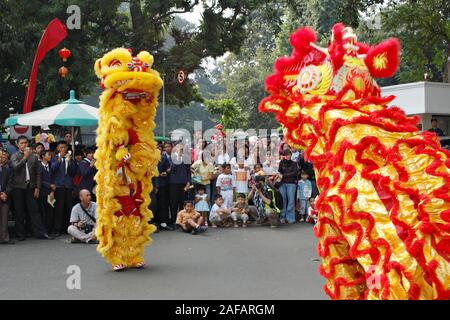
(190, 220)
(47, 190)
(240, 211)
(202, 203)
(241, 178)
(225, 186)
(219, 214)
(303, 194)
(313, 214)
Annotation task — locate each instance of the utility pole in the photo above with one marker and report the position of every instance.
(164, 106)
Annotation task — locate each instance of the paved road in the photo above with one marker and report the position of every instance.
(252, 263)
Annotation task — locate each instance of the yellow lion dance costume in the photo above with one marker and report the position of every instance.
(384, 207)
(127, 157)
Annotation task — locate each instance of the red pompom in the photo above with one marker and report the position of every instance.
(335, 48)
(383, 59)
(338, 32)
(301, 40)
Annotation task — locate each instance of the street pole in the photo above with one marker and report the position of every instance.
(164, 107)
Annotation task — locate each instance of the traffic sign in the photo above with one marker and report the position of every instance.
(181, 77)
(17, 131)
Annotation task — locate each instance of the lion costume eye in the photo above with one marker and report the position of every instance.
(115, 64)
(308, 78)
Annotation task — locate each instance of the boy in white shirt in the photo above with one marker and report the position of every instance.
(219, 213)
(225, 185)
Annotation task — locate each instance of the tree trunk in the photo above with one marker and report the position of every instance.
(446, 72)
(138, 25)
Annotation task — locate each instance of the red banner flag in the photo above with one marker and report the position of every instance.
(54, 33)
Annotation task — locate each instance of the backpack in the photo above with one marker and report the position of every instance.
(276, 197)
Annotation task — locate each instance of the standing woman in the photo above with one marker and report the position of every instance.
(205, 171)
(289, 173)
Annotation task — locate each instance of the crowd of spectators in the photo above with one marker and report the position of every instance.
(48, 188)
(232, 183)
(42, 185)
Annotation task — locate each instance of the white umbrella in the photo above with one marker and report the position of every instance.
(70, 113)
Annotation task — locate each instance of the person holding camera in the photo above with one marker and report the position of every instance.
(63, 168)
(263, 204)
(83, 219)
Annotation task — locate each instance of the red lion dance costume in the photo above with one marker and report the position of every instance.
(384, 207)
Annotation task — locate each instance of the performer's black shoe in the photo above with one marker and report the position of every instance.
(167, 227)
(8, 242)
(45, 237)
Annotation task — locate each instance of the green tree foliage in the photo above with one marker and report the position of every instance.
(243, 74)
(21, 30)
(106, 24)
(229, 111)
(423, 28)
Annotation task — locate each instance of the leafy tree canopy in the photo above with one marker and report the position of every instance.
(106, 24)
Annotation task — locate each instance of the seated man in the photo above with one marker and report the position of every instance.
(262, 200)
(219, 214)
(83, 219)
(190, 220)
(240, 211)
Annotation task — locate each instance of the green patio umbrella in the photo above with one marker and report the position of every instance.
(70, 113)
(161, 138)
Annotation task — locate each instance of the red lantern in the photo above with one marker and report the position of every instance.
(63, 72)
(64, 53)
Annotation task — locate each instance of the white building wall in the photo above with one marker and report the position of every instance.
(425, 99)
